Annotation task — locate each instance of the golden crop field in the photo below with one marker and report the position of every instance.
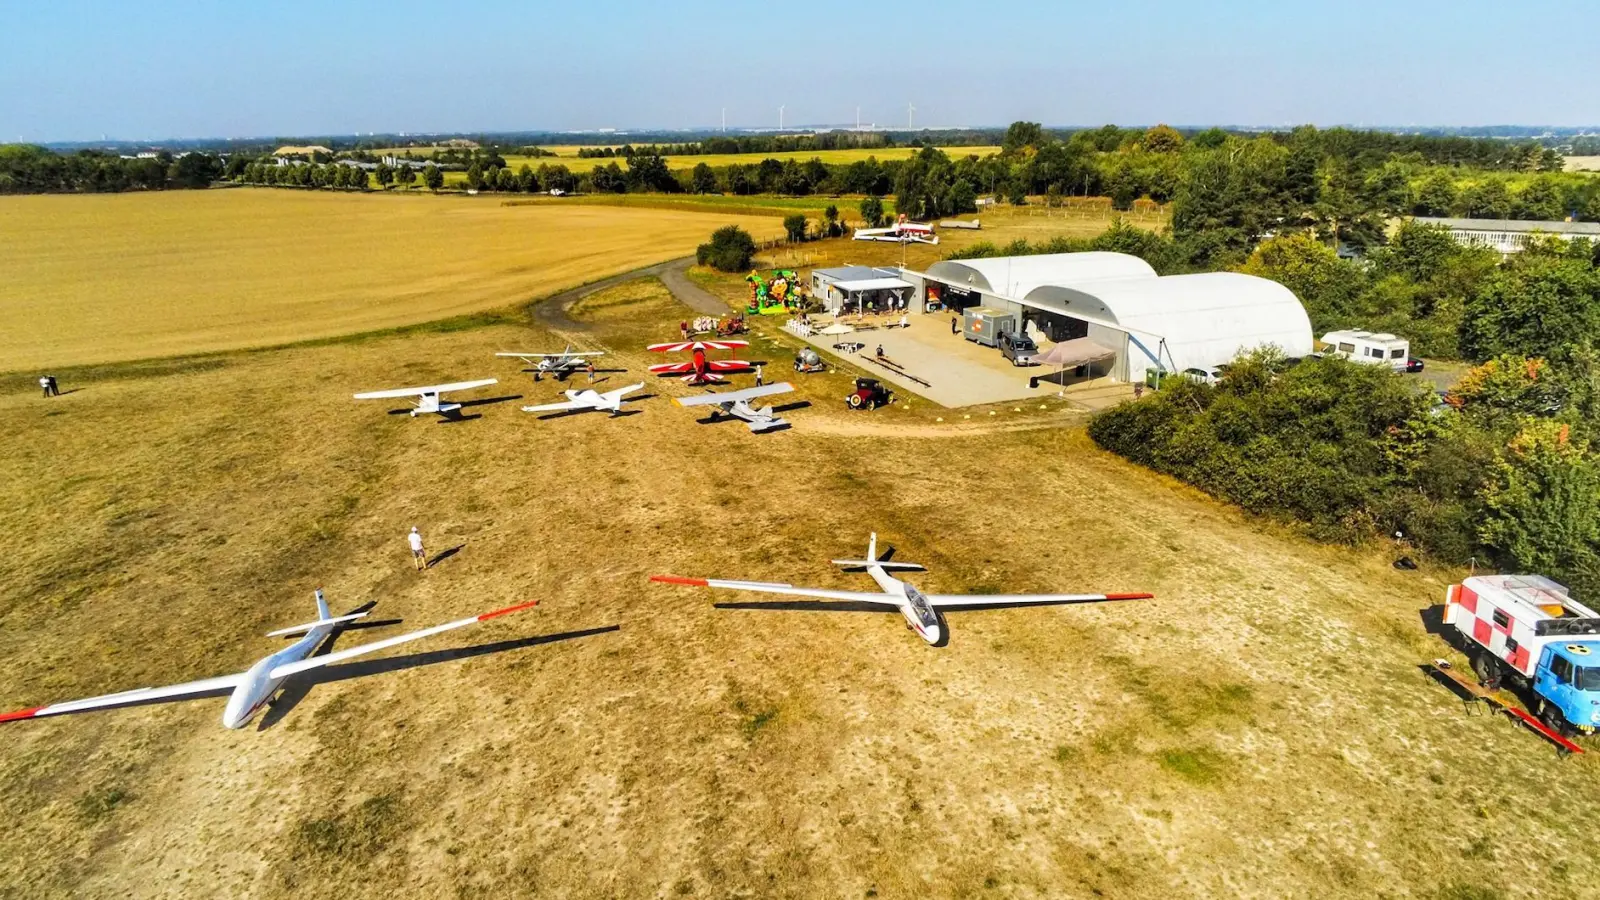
(567, 156)
(1259, 729)
(90, 279)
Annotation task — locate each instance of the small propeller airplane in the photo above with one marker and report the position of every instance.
(558, 364)
(900, 232)
(737, 404)
(699, 370)
(428, 401)
(922, 612)
(586, 400)
(249, 690)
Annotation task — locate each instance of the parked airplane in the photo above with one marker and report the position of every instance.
(737, 403)
(610, 401)
(429, 396)
(558, 364)
(699, 369)
(921, 611)
(249, 690)
(900, 232)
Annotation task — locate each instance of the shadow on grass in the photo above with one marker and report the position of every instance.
(297, 687)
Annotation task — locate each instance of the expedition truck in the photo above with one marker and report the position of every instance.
(1528, 629)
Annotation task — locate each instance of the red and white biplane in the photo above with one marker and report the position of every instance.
(700, 369)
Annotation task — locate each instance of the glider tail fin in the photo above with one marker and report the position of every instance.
(322, 606)
(873, 559)
(324, 617)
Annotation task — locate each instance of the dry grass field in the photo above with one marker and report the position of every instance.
(93, 279)
(1258, 730)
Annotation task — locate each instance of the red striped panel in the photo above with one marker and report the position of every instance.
(1481, 631)
(679, 579)
(1469, 599)
(508, 610)
(1519, 658)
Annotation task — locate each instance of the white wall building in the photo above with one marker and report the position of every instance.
(1509, 236)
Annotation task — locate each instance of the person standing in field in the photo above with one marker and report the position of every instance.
(760, 380)
(418, 555)
(589, 369)
(44, 384)
(955, 325)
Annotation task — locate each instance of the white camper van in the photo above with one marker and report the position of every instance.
(1366, 347)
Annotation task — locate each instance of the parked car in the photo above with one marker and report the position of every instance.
(1019, 348)
(1204, 376)
(1413, 364)
(869, 394)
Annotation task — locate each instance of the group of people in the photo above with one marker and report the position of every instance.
(51, 388)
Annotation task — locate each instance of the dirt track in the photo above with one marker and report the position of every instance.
(551, 312)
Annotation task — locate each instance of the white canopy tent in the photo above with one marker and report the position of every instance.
(859, 291)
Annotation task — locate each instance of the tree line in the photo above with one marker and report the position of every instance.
(30, 169)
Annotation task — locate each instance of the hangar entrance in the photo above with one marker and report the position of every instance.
(1052, 326)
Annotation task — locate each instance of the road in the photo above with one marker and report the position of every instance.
(674, 273)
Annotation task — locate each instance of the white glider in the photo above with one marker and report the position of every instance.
(610, 401)
(921, 611)
(558, 364)
(901, 232)
(737, 404)
(428, 401)
(251, 689)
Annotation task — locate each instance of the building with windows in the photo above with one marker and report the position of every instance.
(1509, 236)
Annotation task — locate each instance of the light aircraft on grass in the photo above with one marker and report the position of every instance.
(699, 369)
(251, 689)
(558, 364)
(900, 232)
(922, 612)
(428, 397)
(610, 401)
(737, 404)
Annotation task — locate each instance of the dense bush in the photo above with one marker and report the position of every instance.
(729, 249)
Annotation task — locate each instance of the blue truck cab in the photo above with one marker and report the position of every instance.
(1568, 678)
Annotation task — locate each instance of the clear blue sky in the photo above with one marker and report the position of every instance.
(79, 69)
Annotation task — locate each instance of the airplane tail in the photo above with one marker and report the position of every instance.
(324, 617)
(873, 559)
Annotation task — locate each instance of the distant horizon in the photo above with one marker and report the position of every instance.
(799, 129)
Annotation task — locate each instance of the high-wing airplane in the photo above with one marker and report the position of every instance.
(558, 364)
(428, 397)
(699, 369)
(610, 401)
(737, 404)
(922, 612)
(900, 232)
(251, 689)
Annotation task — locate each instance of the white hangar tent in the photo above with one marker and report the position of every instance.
(1166, 323)
(1180, 321)
(1015, 276)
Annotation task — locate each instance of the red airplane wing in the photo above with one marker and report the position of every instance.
(673, 347)
(720, 345)
(726, 365)
(671, 368)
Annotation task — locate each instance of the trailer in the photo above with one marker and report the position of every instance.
(1529, 630)
(984, 325)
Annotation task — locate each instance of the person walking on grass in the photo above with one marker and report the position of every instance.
(418, 555)
(760, 380)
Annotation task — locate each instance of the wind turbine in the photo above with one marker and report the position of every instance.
(780, 117)
(911, 112)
